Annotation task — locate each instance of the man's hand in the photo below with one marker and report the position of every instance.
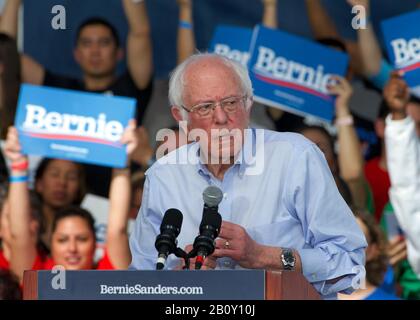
(397, 95)
(234, 242)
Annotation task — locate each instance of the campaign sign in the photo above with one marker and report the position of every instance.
(73, 125)
(232, 42)
(402, 39)
(292, 73)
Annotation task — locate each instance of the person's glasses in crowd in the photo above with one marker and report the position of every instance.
(229, 105)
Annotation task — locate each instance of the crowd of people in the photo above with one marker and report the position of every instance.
(42, 222)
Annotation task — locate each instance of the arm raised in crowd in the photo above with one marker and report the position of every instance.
(186, 41)
(403, 160)
(31, 71)
(24, 238)
(323, 27)
(139, 44)
(119, 207)
(370, 50)
(350, 160)
(9, 21)
(269, 20)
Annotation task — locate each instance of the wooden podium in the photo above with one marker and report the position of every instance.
(215, 285)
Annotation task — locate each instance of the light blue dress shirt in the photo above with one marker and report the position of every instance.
(291, 201)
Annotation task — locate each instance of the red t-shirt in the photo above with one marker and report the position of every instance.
(380, 183)
(4, 264)
(39, 261)
(48, 263)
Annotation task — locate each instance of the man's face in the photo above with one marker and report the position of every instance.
(96, 51)
(209, 80)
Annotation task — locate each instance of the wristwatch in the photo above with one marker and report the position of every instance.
(288, 259)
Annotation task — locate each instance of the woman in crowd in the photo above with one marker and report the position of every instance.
(73, 240)
(376, 262)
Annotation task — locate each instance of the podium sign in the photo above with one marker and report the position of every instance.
(153, 285)
(167, 285)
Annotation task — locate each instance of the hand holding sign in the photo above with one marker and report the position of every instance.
(343, 90)
(12, 148)
(130, 138)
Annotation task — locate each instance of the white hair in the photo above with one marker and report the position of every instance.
(177, 81)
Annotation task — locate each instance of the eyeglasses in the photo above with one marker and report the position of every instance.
(229, 105)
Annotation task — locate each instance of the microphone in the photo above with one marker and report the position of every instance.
(166, 242)
(211, 222)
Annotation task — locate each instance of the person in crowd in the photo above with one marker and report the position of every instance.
(403, 149)
(217, 94)
(376, 262)
(72, 234)
(36, 225)
(349, 167)
(9, 82)
(98, 52)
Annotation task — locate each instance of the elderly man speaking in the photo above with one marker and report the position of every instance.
(280, 211)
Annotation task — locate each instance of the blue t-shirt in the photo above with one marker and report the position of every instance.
(380, 294)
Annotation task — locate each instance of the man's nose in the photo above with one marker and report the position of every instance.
(219, 114)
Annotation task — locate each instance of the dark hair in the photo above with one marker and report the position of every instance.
(414, 99)
(42, 167)
(74, 211)
(9, 286)
(4, 187)
(320, 129)
(376, 268)
(10, 82)
(383, 110)
(333, 42)
(98, 21)
(344, 190)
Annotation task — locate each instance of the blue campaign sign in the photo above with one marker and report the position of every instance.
(73, 125)
(402, 40)
(292, 73)
(232, 42)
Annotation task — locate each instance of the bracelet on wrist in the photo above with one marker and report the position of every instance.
(20, 166)
(344, 121)
(18, 179)
(185, 24)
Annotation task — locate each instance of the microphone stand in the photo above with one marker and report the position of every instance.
(182, 254)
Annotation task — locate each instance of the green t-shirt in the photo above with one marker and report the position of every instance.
(405, 275)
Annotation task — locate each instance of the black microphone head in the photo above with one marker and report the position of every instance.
(212, 196)
(212, 219)
(173, 218)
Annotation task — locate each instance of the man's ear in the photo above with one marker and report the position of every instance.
(176, 113)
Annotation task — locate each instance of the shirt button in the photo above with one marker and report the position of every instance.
(225, 195)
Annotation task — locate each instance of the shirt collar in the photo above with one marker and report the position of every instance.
(248, 147)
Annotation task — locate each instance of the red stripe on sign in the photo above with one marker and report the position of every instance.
(293, 86)
(412, 67)
(72, 138)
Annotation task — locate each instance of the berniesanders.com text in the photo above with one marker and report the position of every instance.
(158, 290)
